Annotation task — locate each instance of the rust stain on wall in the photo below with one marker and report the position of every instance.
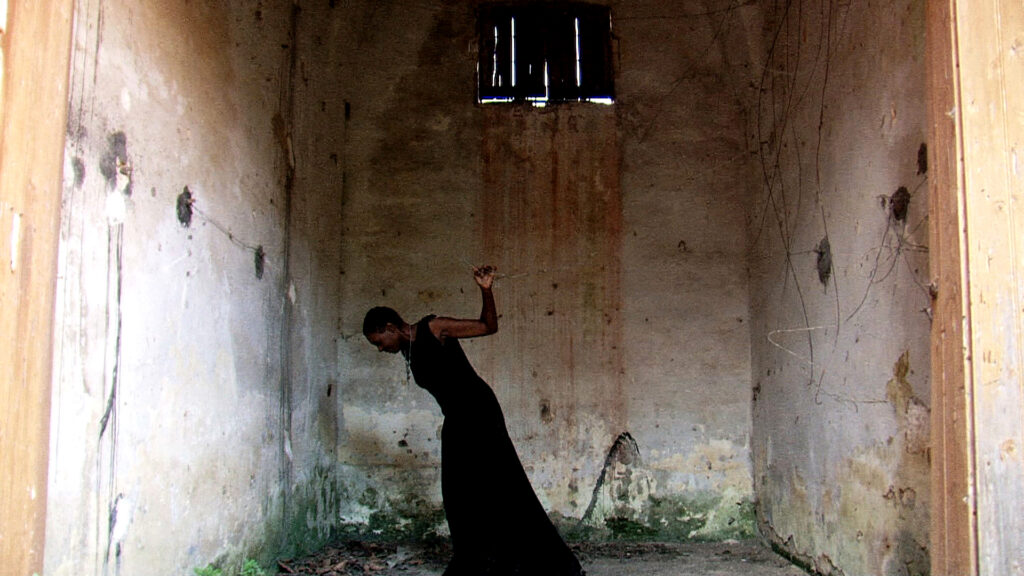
(552, 222)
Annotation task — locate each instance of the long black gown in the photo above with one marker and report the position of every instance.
(497, 524)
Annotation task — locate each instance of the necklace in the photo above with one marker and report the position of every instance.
(408, 355)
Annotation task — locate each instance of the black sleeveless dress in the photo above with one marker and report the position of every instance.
(498, 526)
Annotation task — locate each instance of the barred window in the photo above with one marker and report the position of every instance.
(545, 53)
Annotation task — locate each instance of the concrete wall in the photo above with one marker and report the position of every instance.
(840, 332)
(169, 445)
(620, 234)
(684, 88)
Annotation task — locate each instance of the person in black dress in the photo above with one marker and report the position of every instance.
(498, 526)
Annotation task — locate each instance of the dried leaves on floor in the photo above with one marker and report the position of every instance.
(351, 558)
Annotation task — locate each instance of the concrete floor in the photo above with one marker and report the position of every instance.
(729, 559)
(747, 558)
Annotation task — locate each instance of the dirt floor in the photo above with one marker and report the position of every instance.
(747, 558)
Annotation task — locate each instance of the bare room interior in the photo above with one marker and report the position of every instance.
(758, 286)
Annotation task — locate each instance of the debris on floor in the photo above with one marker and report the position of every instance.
(742, 558)
(383, 558)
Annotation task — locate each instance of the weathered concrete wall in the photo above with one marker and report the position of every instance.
(839, 287)
(683, 90)
(620, 233)
(167, 445)
(368, 157)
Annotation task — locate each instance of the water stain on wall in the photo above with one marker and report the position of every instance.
(552, 218)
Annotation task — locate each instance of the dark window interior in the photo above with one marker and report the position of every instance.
(545, 53)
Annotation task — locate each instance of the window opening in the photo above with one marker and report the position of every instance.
(576, 25)
(545, 53)
(495, 79)
(513, 35)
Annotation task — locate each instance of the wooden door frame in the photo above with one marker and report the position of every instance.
(976, 446)
(36, 49)
(952, 513)
(976, 181)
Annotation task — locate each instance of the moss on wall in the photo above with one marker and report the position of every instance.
(322, 512)
(704, 517)
(334, 504)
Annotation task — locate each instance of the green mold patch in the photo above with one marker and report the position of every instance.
(703, 518)
(402, 521)
(369, 497)
(316, 518)
(313, 513)
(397, 520)
(331, 506)
(679, 518)
(706, 518)
(626, 529)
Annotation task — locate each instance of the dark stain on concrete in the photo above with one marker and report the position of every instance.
(184, 207)
(824, 252)
(115, 156)
(78, 166)
(327, 422)
(547, 415)
(260, 258)
(899, 204)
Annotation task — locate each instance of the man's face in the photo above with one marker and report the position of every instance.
(386, 340)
